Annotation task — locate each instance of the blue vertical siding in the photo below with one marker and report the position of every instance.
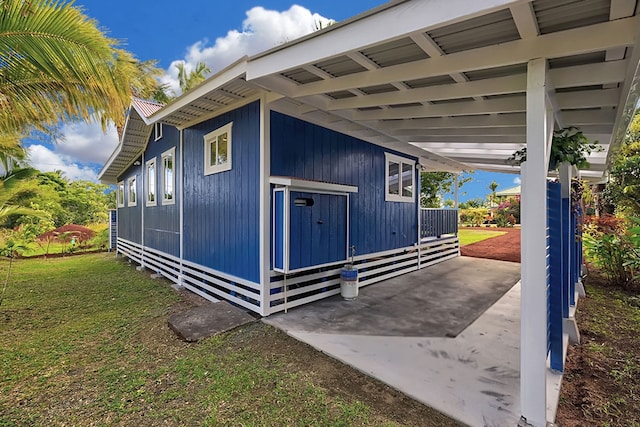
(304, 150)
(162, 222)
(130, 217)
(222, 210)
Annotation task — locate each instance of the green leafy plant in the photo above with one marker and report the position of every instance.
(569, 145)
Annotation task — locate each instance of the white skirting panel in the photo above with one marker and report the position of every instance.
(302, 287)
(318, 283)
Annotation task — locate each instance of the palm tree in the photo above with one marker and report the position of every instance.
(57, 66)
(192, 79)
(493, 186)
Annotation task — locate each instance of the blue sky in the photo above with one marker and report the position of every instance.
(216, 32)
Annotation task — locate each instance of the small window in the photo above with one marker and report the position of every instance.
(131, 187)
(157, 128)
(168, 177)
(151, 182)
(120, 194)
(217, 150)
(400, 179)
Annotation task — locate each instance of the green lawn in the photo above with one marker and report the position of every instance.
(468, 236)
(84, 341)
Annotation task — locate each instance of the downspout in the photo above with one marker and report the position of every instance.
(419, 211)
(143, 201)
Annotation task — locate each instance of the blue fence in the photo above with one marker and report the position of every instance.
(437, 222)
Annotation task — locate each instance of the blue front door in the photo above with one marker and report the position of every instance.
(318, 233)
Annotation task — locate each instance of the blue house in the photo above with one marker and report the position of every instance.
(256, 206)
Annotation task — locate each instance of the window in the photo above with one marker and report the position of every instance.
(120, 194)
(168, 177)
(151, 182)
(131, 185)
(217, 150)
(400, 179)
(157, 131)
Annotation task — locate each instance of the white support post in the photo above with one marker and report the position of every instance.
(181, 208)
(141, 199)
(265, 198)
(533, 339)
(455, 191)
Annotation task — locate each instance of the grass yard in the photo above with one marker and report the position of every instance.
(468, 236)
(601, 385)
(84, 341)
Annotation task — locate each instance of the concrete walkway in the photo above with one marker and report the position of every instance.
(473, 377)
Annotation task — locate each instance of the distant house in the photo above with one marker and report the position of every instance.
(509, 192)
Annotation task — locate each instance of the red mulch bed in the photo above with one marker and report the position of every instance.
(503, 248)
(78, 231)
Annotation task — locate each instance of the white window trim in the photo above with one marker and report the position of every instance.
(211, 169)
(135, 185)
(120, 192)
(171, 152)
(157, 129)
(388, 157)
(147, 181)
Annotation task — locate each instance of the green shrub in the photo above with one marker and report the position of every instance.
(473, 216)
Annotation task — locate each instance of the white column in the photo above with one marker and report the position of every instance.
(265, 198)
(455, 191)
(533, 339)
(181, 205)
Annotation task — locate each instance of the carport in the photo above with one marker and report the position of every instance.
(465, 84)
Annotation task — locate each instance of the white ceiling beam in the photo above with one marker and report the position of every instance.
(525, 19)
(471, 139)
(588, 98)
(362, 60)
(481, 153)
(466, 145)
(496, 86)
(489, 106)
(563, 43)
(477, 157)
(498, 131)
(589, 117)
(495, 168)
(487, 121)
(588, 75)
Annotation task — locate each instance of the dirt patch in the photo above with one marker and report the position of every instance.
(70, 230)
(600, 386)
(503, 248)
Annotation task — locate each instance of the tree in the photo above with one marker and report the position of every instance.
(434, 185)
(13, 186)
(57, 66)
(623, 189)
(189, 80)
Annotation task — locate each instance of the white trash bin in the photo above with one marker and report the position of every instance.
(349, 282)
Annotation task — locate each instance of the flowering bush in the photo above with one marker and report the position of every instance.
(473, 216)
(507, 214)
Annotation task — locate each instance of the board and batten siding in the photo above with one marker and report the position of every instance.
(304, 150)
(222, 210)
(162, 222)
(130, 217)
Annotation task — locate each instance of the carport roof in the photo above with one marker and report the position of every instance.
(449, 77)
(444, 80)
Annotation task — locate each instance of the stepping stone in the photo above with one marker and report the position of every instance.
(208, 320)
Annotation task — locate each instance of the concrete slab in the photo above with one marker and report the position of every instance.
(208, 320)
(438, 301)
(473, 378)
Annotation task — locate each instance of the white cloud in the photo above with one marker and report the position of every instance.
(86, 143)
(46, 160)
(261, 30)
(517, 180)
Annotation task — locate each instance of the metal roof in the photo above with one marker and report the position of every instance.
(445, 80)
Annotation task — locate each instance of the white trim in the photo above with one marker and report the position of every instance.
(212, 137)
(135, 191)
(120, 194)
(148, 182)
(157, 131)
(181, 208)
(168, 201)
(313, 186)
(265, 199)
(401, 161)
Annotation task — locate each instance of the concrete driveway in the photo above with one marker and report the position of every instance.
(447, 335)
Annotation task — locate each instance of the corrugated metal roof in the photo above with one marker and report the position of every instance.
(486, 30)
(395, 52)
(340, 66)
(145, 107)
(560, 15)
